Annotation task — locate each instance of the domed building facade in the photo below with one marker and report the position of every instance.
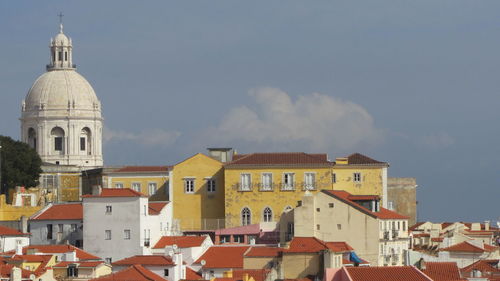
(61, 114)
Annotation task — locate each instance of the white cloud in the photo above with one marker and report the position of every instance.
(148, 137)
(313, 121)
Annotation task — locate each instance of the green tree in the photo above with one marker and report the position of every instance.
(20, 164)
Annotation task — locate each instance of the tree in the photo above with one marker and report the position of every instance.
(20, 164)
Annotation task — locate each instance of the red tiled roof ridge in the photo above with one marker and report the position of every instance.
(281, 158)
(8, 231)
(466, 246)
(180, 241)
(116, 192)
(135, 169)
(360, 159)
(66, 211)
(155, 207)
(145, 260)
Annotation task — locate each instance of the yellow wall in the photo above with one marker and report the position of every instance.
(277, 199)
(143, 180)
(300, 265)
(200, 209)
(69, 187)
(13, 213)
(256, 262)
(371, 179)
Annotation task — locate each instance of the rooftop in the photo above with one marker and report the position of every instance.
(116, 192)
(146, 260)
(223, 257)
(280, 159)
(386, 273)
(142, 169)
(154, 208)
(61, 212)
(180, 241)
(132, 273)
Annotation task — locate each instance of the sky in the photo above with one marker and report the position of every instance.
(412, 83)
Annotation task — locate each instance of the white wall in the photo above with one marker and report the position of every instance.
(8, 243)
(38, 230)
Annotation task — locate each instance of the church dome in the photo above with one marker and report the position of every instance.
(61, 89)
(61, 39)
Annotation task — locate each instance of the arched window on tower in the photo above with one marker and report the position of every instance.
(32, 138)
(246, 216)
(85, 141)
(268, 214)
(57, 136)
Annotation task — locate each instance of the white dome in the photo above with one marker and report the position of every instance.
(61, 89)
(61, 40)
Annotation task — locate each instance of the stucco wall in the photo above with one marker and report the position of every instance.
(402, 192)
(300, 265)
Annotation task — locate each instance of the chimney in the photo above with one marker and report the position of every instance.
(486, 225)
(475, 226)
(19, 249)
(180, 268)
(15, 274)
(96, 190)
(224, 154)
(24, 224)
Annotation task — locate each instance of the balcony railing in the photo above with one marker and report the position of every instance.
(280, 185)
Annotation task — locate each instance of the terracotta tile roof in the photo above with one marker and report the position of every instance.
(32, 258)
(117, 192)
(223, 257)
(146, 260)
(155, 208)
(417, 235)
(386, 273)
(416, 226)
(360, 159)
(61, 212)
(89, 264)
(314, 245)
(180, 241)
(382, 214)
(363, 197)
(442, 271)
(257, 274)
(60, 249)
(244, 229)
(5, 271)
(133, 273)
(469, 248)
(263, 252)
(283, 158)
(142, 169)
(485, 266)
(7, 231)
(437, 239)
(192, 275)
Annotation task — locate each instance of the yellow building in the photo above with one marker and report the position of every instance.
(259, 187)
(149, 180)
(197, 193)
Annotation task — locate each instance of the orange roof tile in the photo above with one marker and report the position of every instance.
(180, 241)
(263, 252)
(386, 273)
(7, 231)
(60, 249)
(132, 273)
(155, 208)
(437, 239)
(223, 257)
(314, 245)
(382, 214)
(360, 159)
(6, 269)
(339, 246)
(146, 260)
(485, 266)
(469, 248)
(90, 264)
(117, 192)
(192, 275)
(61, 212)
(442, 271)
(283, 158)
(142, 169)
(32, 258)
(417, 235)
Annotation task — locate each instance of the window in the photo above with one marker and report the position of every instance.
(287, 209)
(225, 239)
(152, 187)
(390, 205)
(108, 260)
(189, 185)
(126, 234)
(74, 227)
(49, 231)
(334, 178)
(109, 210)
(239, 238)
(318, 227)
(59, 56)
(245, 182)
(357, 177)
(65, 56)
(165, 272)
(288, 181)
(107, 234)
(318, 210)
(404, 226)
(147, 237)
(58, 141)
(339, 226)
(246, 216)
(60, 228)
(210, 185)
(118, 185)
(309, 181)
(136, 186)
(72, 270)
(82, 144)
(330, 205)
(268, 214)
(267, 181)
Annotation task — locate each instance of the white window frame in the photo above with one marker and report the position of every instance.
(189, 185)
(286, 181)
(211, 183)
(152, 188)
(267, 216)
(118, 184)
(245, 181)
(107, 234)
(136, 186)
(267, 184)
(309, 185)
(356, 177)
(109, 209)
(126, 234)
(246, 217)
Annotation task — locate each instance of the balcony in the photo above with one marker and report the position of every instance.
(386, 235)
(394, 234)
(245, 187)
(287, 186)
(308, 185)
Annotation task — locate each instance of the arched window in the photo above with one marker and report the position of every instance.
(85, 143)
(246, 216)
(268, 214)
(287, 209)
(32, 138)
(57, 135)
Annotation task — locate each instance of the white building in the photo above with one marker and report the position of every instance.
(191, 247)
(11, 238)
(61, 114)
(58, 224)
(169, 267)
(120, 223)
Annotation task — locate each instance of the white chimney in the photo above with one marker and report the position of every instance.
(486, 225)
(180, 268)
(15, 274)
(19, 249)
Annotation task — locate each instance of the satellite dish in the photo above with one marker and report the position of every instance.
(175, 247)
(203, 262)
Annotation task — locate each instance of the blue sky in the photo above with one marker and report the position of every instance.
(413, 83)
